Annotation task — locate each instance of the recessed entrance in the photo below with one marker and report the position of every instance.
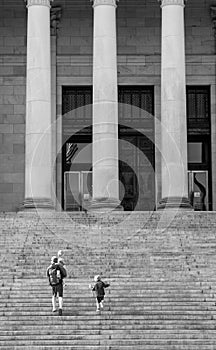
(199, 147)
(77, 190)
(77, 147)
(137, 175)
(77, 176)
(198, 189)
(136, 147)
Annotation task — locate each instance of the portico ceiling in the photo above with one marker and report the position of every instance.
(86, 3)
(72, 2)
(75, 3)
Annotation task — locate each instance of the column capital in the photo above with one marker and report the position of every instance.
(104, 2)
(172, 2)
(38, 3)
(55, 16)
(213, 17)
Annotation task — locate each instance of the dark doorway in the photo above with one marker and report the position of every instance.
(136, 148)
(199, 147)
(136, 140)
(77, 145)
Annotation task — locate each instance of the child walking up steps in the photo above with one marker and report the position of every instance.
(98, 288)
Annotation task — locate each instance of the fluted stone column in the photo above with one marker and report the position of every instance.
(55, 17)
(105, 108)
(38, 168)
(173, 107)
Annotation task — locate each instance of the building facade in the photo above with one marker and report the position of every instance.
(107, 104)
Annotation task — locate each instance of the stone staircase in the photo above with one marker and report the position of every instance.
(161, 267)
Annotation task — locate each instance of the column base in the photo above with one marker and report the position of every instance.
(181, 203)
(37, 204)
(105, 204)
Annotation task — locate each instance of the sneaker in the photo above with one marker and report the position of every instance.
(60, 312)
(98, 310)
(54, 310)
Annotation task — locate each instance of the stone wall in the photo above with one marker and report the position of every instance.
(12, 105)
(138, 41)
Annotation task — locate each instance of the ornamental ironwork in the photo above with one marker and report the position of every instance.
(198, 110)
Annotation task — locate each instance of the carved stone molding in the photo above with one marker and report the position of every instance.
(38, 2)
(213, 17)
(104, 2)
(55, 16)
(172, 2)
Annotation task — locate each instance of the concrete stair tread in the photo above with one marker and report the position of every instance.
(163, 285)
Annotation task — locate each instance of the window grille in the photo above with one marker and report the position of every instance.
(76, 108)
(198, 109)
(140, 97)
(75, 97)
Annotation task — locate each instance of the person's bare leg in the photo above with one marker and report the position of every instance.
(54, 303)
(60, 305)
(98, 305)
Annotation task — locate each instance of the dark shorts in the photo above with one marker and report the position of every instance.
(58, 289)
(99, 299)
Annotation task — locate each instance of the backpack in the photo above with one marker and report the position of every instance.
(53, 277)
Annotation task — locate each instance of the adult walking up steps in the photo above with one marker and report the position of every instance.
(161, 270)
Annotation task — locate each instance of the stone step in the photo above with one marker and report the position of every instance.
(163, 285)
(76, 327)
(117, 302)
(164, 334)
(201, 326)
(57, 341)
(76, 304)
(113, 347)
(147, 315)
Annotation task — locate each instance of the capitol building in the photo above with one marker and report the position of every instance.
(107, 104)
